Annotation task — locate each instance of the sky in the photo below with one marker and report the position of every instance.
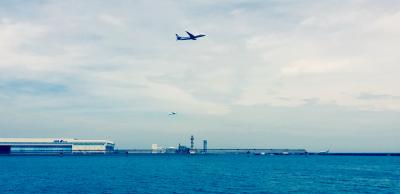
(269, 74)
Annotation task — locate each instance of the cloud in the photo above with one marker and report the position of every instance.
(329, 53)
(314, 67)
(286, 55)
(14, 36)
(31, 87)
(369, 96)
(113, 20)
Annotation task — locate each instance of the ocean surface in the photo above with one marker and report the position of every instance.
(199, 174)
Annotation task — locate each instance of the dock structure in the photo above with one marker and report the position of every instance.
(258, 151)
(249, 151)
(185, 150)
(54, 146)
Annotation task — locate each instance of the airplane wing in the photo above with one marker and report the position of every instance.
(190, 34)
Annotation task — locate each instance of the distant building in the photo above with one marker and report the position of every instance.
(53, 145)
(155, 149)
(171, 150)
(182, 149)
(205, 146)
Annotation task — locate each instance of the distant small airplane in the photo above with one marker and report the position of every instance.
(172, 113)
(190, 37)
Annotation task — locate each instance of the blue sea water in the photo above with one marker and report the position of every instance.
(199, 174)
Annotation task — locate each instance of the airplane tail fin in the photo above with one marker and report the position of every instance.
(177, 37)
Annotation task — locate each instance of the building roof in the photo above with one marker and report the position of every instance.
(51, 140)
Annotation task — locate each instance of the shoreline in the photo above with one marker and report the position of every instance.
(118, 153)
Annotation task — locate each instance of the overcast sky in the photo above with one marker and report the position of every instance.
(269, 74)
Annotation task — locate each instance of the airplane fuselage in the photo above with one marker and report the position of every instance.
(190, 37)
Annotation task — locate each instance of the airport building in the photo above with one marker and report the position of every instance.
(53, 145)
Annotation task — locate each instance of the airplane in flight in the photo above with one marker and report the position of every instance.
(172, 113)
(190, 37)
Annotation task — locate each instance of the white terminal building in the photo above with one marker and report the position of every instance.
(53, 145)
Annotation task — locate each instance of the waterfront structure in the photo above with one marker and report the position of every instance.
(192, 142)
(182, 149)
(257, 151)
(155, 149)
(53, 145)
(170, 150)
(205, 146)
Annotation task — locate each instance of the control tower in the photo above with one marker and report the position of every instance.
(191, 142)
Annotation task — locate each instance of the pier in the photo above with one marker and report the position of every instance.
(216, 151)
